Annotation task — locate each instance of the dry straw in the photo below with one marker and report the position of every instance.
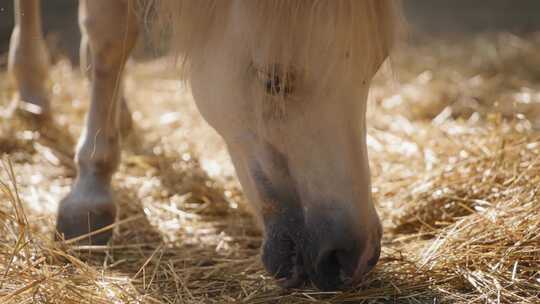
(457, 191)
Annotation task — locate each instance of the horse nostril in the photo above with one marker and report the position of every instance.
(283, 259)
(335, 269)
(279, 257)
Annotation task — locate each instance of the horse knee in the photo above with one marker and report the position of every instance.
(111, 30)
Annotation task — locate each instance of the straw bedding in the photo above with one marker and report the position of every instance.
(455, 157)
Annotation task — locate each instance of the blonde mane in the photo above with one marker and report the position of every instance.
(287, 32)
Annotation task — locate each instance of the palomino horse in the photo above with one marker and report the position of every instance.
(284, 82)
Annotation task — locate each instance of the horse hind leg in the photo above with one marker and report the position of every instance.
(28, 60)
(111, 29)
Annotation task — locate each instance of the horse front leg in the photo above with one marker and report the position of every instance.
(85, 59)
(28, 61)
(111, 31)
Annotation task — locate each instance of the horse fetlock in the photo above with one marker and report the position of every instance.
(97, 170)
(88, 208)
(34, 103)
(28, 65)
(100, 157)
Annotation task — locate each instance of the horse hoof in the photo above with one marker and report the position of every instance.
(81, 219)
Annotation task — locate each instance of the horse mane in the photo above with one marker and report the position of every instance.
(286, 31)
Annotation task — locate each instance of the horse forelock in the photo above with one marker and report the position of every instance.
(295, 34)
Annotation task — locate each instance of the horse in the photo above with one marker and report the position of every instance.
(284, 82)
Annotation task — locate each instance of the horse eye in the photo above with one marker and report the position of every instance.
(277, 83)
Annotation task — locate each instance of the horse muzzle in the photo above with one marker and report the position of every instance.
(326, 248)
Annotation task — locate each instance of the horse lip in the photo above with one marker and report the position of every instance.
(362, 272)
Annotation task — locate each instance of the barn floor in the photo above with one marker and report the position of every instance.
(454, 144)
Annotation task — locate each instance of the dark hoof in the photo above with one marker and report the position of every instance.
(80, 220)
